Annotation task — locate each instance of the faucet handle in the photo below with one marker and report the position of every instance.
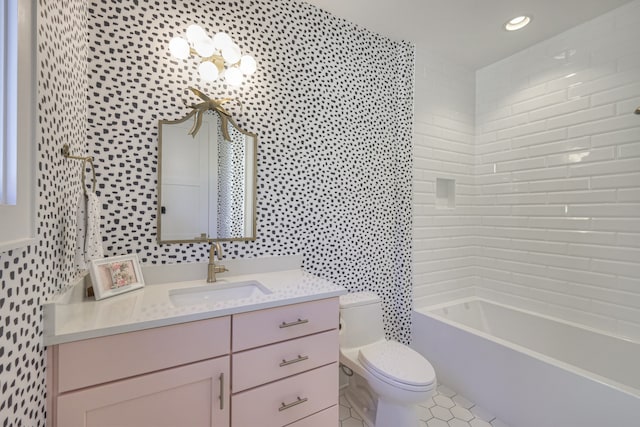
(218, 268)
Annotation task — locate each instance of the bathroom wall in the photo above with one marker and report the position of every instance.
(331, 104)
(558, 174)
(29, 276)
(445, 239)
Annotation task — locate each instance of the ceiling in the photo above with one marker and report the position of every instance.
(468, 32)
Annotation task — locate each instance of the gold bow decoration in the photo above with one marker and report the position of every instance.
(210, 104)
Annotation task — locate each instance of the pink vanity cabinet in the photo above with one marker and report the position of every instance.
(163, 377)
(269, 368)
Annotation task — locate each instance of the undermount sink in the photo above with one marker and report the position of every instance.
(217, 292)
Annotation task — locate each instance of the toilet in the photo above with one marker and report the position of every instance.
(387, 379)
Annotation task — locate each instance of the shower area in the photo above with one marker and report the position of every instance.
(543, 149)
(527, 180)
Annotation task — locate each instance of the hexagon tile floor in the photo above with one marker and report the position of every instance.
(445, 408)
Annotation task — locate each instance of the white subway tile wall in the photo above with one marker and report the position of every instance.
(558, 149)
(445, 241)
(547, 170)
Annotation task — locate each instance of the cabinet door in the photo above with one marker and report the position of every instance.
(195, 395)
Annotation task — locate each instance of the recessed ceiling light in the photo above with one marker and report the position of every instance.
(517, 23)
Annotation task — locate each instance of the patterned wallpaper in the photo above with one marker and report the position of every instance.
(31, 275)
(331, 104)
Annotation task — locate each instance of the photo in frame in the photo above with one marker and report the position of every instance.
(115, 275)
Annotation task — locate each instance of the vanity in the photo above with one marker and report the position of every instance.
(257, 349)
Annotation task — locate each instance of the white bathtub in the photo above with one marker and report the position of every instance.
(531, 370)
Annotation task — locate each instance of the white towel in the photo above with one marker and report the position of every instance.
(88, 239)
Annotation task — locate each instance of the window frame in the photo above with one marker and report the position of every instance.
(18, 221)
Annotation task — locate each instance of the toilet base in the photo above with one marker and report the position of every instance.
(381, 413)
(378, 412)
(362, 399)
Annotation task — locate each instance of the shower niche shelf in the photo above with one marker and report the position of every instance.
(445, 193)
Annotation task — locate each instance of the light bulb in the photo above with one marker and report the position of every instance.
(231, 53)
(179, 48)
(248, 65)
(222, 40)
(233, 76)
(208, 71)
(204, 47)
(195, 33)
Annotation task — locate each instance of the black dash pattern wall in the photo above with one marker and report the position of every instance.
(29, 276)
(331, 103)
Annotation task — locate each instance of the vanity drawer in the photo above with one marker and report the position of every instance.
(283, 402)
(263, 327)
(327, 418)
(259, 366)
(94, 361)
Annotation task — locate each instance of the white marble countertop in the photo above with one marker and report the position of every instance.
(71, 319)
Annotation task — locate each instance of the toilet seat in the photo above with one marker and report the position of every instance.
(398, 365)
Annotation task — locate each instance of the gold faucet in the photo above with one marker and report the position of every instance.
(213, 268)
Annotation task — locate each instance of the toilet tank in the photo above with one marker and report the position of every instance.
(360, 319)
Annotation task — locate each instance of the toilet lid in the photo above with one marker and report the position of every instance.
(398, 363)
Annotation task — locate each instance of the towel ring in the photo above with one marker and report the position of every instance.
(66, 153)
(84, 173)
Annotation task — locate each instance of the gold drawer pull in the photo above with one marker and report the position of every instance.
(292, 404)
(292, 361)
(297, 322)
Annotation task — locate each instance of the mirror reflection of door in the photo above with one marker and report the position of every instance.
(189, 196)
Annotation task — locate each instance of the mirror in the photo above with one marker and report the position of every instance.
(206, 182)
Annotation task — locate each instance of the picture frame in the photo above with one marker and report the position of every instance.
(115, 275)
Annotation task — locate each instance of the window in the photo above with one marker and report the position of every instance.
(8, 71)
(17, 51)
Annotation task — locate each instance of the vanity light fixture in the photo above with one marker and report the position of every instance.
(219, 56)
(517, 23)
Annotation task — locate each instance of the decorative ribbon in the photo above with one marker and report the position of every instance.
(210, 104)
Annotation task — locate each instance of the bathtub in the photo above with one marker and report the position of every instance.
(530, 370)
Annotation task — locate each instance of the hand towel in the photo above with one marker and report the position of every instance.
(88, 238)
